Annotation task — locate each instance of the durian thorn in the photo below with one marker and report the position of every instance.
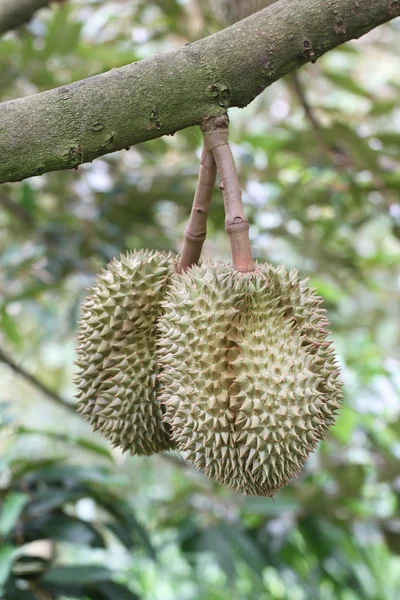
(216, 139)
(196, 230)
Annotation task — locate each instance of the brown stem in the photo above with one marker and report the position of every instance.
(216, 139)
(196, 230)
(308, 110)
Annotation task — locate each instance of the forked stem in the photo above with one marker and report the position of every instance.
(196, 230)
(216, 140)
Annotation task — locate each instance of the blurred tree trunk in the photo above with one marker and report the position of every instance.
(231, 11)
(14, 13)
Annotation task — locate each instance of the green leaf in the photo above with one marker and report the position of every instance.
(9, 328)
(27, 197)
(46, 500)
(346, 422)
(382, 107)
(267, 506)
(63, 528)
(7, 555)
(388, 138)
(102, 590)
(213, 540)
(5, 418)
(55, 473)
(123, 533)
(11, 509)
(347, 83)
(115, 591)
(77, 575)
(246, 548)
(392, 536)
(81, 442)
(391, 180)
(123, 513)
(23, 467)
(63, 34)
(366, 157)
(329, 291)
(13, 591)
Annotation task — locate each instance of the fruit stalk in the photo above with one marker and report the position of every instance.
(216, 139)
(196, 230)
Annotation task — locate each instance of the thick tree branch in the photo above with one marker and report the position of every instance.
(67, 126)
(14, 13)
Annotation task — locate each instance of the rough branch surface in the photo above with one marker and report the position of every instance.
(67, 126)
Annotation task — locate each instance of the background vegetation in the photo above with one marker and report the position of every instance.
(321, 180)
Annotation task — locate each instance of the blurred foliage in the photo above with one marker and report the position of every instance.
(321, 184)
(47, 501)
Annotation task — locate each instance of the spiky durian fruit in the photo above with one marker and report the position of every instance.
(117, 334)
(249, 381)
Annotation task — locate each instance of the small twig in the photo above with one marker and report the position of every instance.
(176, 461)
(339, 157)
(196, 230)
(17, 210)
(216, 139)
(35, 382)
(309, 112)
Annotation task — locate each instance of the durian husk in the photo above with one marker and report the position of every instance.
(249, 381)
(117, 383)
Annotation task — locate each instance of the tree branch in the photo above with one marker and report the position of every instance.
(35, 382)
(14, 13)
(216, 140)
(196, 230)
(67, 126)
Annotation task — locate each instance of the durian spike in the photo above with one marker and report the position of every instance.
(196, 230)
(216, 139)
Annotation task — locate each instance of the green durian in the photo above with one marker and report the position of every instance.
(117, 383)
(249, 382)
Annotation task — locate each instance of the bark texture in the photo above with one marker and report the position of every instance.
(67, 126)
(196, 230)
(216, 140)
(14, 13)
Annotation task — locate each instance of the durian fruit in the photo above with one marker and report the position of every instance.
(249, 382)
(118, 372)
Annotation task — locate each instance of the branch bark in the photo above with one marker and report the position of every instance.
(216, 140)
(196, 230)
(14, 13)
(67, 126)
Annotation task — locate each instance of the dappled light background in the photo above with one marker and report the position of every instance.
(319, 162)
